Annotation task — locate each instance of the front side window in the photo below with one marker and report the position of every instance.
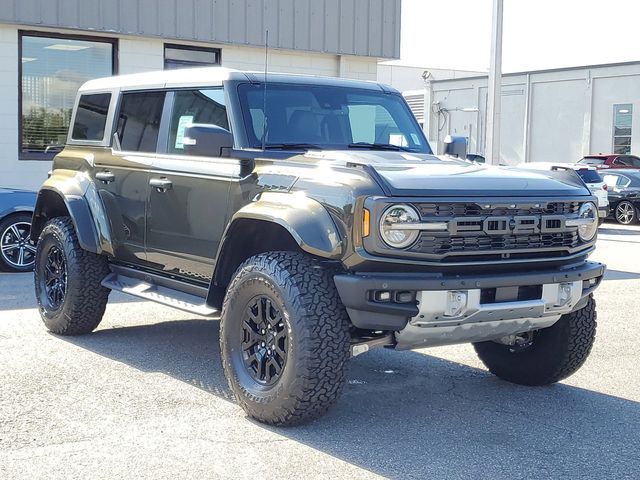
(622, 127)
(195, 106)
(329, 117)
(628, 161)
(52, 68)
(185, 56)
(91, 117)
(139, 121)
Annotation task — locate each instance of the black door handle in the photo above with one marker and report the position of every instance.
(161, 184)
(106, 176)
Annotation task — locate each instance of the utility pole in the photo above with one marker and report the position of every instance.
(492, 148)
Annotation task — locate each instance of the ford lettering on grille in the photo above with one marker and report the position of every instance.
(508, 225)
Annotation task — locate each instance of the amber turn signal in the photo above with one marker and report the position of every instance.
(366, 225)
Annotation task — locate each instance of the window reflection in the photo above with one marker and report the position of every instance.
(52, 71)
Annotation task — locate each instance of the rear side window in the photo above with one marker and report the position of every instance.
(91, 117)
(589, 176)
(139, 121)
(592, 161)
(195, 106)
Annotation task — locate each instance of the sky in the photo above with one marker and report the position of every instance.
(538, 34)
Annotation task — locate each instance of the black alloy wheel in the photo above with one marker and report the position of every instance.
(55, 278)
(264, 340)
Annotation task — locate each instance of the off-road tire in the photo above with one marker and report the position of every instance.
(556, 352)
(317, 338)
(85, 298)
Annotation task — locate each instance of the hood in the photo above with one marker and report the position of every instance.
(409, 174)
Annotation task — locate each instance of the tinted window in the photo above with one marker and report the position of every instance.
(91, 117)
(589, 176)
(592, 161)
(139, 121)
(195, 106)
(628, 161)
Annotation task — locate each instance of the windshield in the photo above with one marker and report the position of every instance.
(325, 117)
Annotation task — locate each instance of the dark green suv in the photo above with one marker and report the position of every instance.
(310, 216)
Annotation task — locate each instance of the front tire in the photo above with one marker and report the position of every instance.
(68, 280)
(552, 354)
(284, 338)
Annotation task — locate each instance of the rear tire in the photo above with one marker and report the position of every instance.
(554, 353)
(68, 280)
(282, 311)
(626, 213)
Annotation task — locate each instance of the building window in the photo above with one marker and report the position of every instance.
(185, 56)
(622, 114)
(51, 70)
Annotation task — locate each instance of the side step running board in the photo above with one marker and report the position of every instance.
(156, 293)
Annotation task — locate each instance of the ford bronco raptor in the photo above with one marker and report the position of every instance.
(310, 216)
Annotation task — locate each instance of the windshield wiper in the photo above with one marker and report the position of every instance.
(292, 146)
(380, 146)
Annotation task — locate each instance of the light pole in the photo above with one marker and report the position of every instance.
(492, 149)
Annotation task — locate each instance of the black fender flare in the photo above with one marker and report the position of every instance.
(308, 223)
(75, 193)
(306, 219)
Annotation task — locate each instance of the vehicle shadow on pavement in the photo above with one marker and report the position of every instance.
(620, 275)
(406, 414)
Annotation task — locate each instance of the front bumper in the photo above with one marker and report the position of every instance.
(603, 212)
(495, 305)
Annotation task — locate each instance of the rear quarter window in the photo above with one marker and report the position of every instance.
(91, 117)
(589, 176)
(592, 161)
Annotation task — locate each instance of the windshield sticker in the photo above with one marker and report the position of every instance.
(182, 125)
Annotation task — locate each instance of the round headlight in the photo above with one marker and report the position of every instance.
(587, 231)
(394, 226)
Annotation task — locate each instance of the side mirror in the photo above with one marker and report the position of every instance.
(455, 146)
(206, 140)
(475, 157)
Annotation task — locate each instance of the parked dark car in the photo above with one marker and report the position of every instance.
(611, 161)
(624, 195)
(17, 251)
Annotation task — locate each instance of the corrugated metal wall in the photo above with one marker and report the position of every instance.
(349, 27)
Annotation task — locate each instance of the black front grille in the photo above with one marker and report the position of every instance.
(439, 244)
(430, 210)
(474, 240)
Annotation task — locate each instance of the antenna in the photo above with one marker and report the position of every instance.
(264, 91)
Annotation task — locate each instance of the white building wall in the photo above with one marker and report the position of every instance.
(138, 54)
(555, 116)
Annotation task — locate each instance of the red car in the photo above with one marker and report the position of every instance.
(614, 160)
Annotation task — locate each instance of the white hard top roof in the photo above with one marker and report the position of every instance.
(160, 79)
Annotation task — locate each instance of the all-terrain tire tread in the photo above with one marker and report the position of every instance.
(569, 340)
(319, 313)
(86, 297)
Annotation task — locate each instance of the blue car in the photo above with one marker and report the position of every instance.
(17, 251)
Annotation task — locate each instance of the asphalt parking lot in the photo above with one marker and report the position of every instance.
(144, 397)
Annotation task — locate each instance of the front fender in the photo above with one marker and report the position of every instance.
(82, 202)
(308, 222)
